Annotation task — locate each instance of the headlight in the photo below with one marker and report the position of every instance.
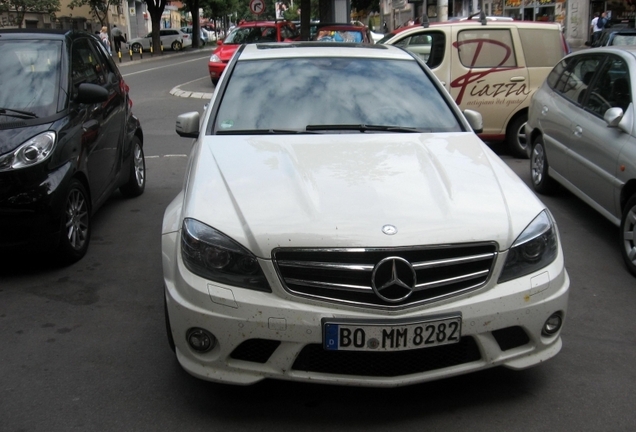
(215, 59)
(535, 248)
(212, 255)
(32, 152)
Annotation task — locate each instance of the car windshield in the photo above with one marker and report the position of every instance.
(241, 35)
(624, 39)
(339, 36)
(336, 93)
(29, 78)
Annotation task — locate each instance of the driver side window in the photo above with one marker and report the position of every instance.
(611, 89)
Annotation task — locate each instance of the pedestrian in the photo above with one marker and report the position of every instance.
(118, 37)
(103, 35)
(596, 26)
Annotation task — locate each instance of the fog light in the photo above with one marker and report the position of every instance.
(552, 324)
(200, 340)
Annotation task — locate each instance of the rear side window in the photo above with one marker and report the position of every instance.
(575, 80)
(551, 43)
(486, 48)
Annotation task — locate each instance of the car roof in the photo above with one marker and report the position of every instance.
(262, 23)
(260, 51)
(38, 33)
(492, 24)
(629, 49)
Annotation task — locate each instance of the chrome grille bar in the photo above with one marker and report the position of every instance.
(318, 284)
(326, 265)
(452, 261)
(449, 281)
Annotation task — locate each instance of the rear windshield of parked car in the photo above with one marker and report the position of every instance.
(241, 35)
(295, 93)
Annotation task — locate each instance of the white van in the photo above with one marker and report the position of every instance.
(492, 67)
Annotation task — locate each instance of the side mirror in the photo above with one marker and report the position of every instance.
(475, 120)
(613, 116)
(188, 125)
(88, 93)
(219, 42)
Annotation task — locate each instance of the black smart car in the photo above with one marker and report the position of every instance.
(68, 139)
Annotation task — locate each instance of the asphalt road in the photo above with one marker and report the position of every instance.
(84, 347)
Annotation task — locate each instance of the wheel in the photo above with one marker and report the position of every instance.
(516, 136)
(76, 224)
(628, 240)
(168, 327)
(136, 47)
(215, 81)
(541, 181)
(137, 178)
(176, 46)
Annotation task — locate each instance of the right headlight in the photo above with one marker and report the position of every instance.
(215, 59)
(31, 152)
(535, 248)
(213, 255)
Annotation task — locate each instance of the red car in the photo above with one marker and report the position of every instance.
(246, 33)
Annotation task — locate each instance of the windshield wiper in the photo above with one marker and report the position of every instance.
(366, 128)
(262, 132)
(18, 113)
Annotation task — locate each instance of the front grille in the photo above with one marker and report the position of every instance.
(313, 358)
(345, 275)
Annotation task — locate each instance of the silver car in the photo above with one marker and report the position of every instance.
(583, 134)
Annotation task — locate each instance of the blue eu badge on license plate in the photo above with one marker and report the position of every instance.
(331, 336)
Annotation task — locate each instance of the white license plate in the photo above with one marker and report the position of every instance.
(381, 336)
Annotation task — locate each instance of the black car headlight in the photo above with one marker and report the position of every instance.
(213, 255)
(31, 152)
(535, 248)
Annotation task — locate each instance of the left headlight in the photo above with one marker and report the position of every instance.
(213, 255)
(215, 59)
(535, 248)
(31, 152)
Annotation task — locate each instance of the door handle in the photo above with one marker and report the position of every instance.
(578, 131)
(517, 79)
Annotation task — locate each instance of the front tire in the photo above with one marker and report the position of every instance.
(168, 326)
(627, 238)
(76, 224)
(176, 46)
(541, 180)
(137, 177)
(136, 48)
(516, 137)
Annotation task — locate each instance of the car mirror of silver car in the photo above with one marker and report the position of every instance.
(187, 125)
(475, 120)
(613, 116)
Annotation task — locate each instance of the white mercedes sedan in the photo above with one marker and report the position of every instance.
(341, 223)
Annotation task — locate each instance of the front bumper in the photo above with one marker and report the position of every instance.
(31, 202)
(277, 335)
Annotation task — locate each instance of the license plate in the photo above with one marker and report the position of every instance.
(348, 335)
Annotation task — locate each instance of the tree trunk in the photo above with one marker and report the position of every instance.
(155, 9)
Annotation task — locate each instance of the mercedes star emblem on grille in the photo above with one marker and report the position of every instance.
(389, 229)
(393, 279)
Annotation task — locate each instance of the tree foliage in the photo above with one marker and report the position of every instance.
(21, 7)
(99, 8)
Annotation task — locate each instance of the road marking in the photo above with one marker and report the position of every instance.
(166, 156)
(162, 67)
(176, 91)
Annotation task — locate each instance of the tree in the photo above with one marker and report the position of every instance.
(99, 8)
(155, 9)
(193, 7)
(21, 7)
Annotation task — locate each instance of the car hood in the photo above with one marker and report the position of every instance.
(340, 190)
(225, 52)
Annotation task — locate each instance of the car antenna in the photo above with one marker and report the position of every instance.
(425, 22)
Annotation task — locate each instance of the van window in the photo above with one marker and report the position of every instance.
(551, 43)
(486, 48)
(429, 45)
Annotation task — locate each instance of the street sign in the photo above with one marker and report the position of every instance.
(257, 6)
